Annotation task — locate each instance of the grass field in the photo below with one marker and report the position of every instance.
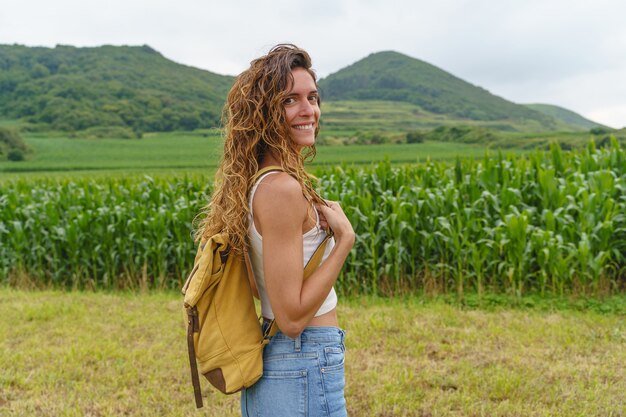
(188, 152)
(98, 354)
(399, 116)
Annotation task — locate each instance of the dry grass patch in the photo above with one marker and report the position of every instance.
(437, 360)
(85, 354)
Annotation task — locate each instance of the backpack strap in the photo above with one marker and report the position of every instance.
(192, 327)
(266, 170)
(310, 267)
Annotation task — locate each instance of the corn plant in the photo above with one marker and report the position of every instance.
(548, 222)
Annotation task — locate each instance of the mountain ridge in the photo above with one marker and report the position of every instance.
(71, 88)
(390, 75)
(565, 115)
(136, 87)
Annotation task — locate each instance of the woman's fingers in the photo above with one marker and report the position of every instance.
(323, 221)
(336, 218)
(332, 204)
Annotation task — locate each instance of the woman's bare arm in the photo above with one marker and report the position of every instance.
(281, 210)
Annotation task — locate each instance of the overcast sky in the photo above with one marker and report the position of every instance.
(571, 53)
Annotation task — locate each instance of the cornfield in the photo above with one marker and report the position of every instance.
(551, 222)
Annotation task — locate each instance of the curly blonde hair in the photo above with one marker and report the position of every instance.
(255, 124)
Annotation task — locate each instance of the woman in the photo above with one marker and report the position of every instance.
(271, 116)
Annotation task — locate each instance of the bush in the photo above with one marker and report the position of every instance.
(15, 155)
(11, 139)
(463, 134)
(600, 131)
(370, 138)
(115, 132)
(415, 137)
(12, 145)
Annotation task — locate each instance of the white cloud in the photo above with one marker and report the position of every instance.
(610, 116)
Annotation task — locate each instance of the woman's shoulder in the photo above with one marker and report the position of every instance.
(278, 191)
(280, 182)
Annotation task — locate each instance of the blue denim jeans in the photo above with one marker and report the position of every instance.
(301, 377)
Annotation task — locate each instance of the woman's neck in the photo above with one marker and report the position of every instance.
(268, 160)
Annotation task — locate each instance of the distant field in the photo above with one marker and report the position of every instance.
(193, 152)
(162, 150)
(398, 116)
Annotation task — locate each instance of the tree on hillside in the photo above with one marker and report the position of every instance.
(12, 146)
(415, 136)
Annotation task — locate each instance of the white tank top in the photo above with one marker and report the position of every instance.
(310, 240)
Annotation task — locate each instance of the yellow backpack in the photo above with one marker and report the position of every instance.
(223, 329)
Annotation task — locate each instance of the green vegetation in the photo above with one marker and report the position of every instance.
(12, 146)
(349, 122)
(136, 90)
(200, 149)
(461, 134)
(190, 152)
(604, 136)
(549, 223)
(15, 155)
(184, 152)
(67, 88)
(99, 234)
(110, 132)
(79, 354)
(511, 140)
(565, 115)
(393, 76)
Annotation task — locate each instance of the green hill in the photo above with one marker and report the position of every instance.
(128, 89)
(564, 115)
(71, 88)
(392, 76)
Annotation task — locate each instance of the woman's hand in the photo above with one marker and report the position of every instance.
(333, 216)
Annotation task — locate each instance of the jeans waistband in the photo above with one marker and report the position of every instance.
(315, 334)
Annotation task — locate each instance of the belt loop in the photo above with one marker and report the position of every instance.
(298, 343)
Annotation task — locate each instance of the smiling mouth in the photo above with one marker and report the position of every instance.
(308, 126)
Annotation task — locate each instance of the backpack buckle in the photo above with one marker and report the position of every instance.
(192, 319)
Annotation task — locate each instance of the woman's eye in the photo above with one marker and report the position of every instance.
(314, 99)
(290, 100)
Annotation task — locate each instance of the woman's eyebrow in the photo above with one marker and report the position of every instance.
(295, 94)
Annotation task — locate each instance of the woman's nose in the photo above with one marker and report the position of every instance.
(306, 108)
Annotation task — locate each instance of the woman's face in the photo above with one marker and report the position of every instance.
(302, 108)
